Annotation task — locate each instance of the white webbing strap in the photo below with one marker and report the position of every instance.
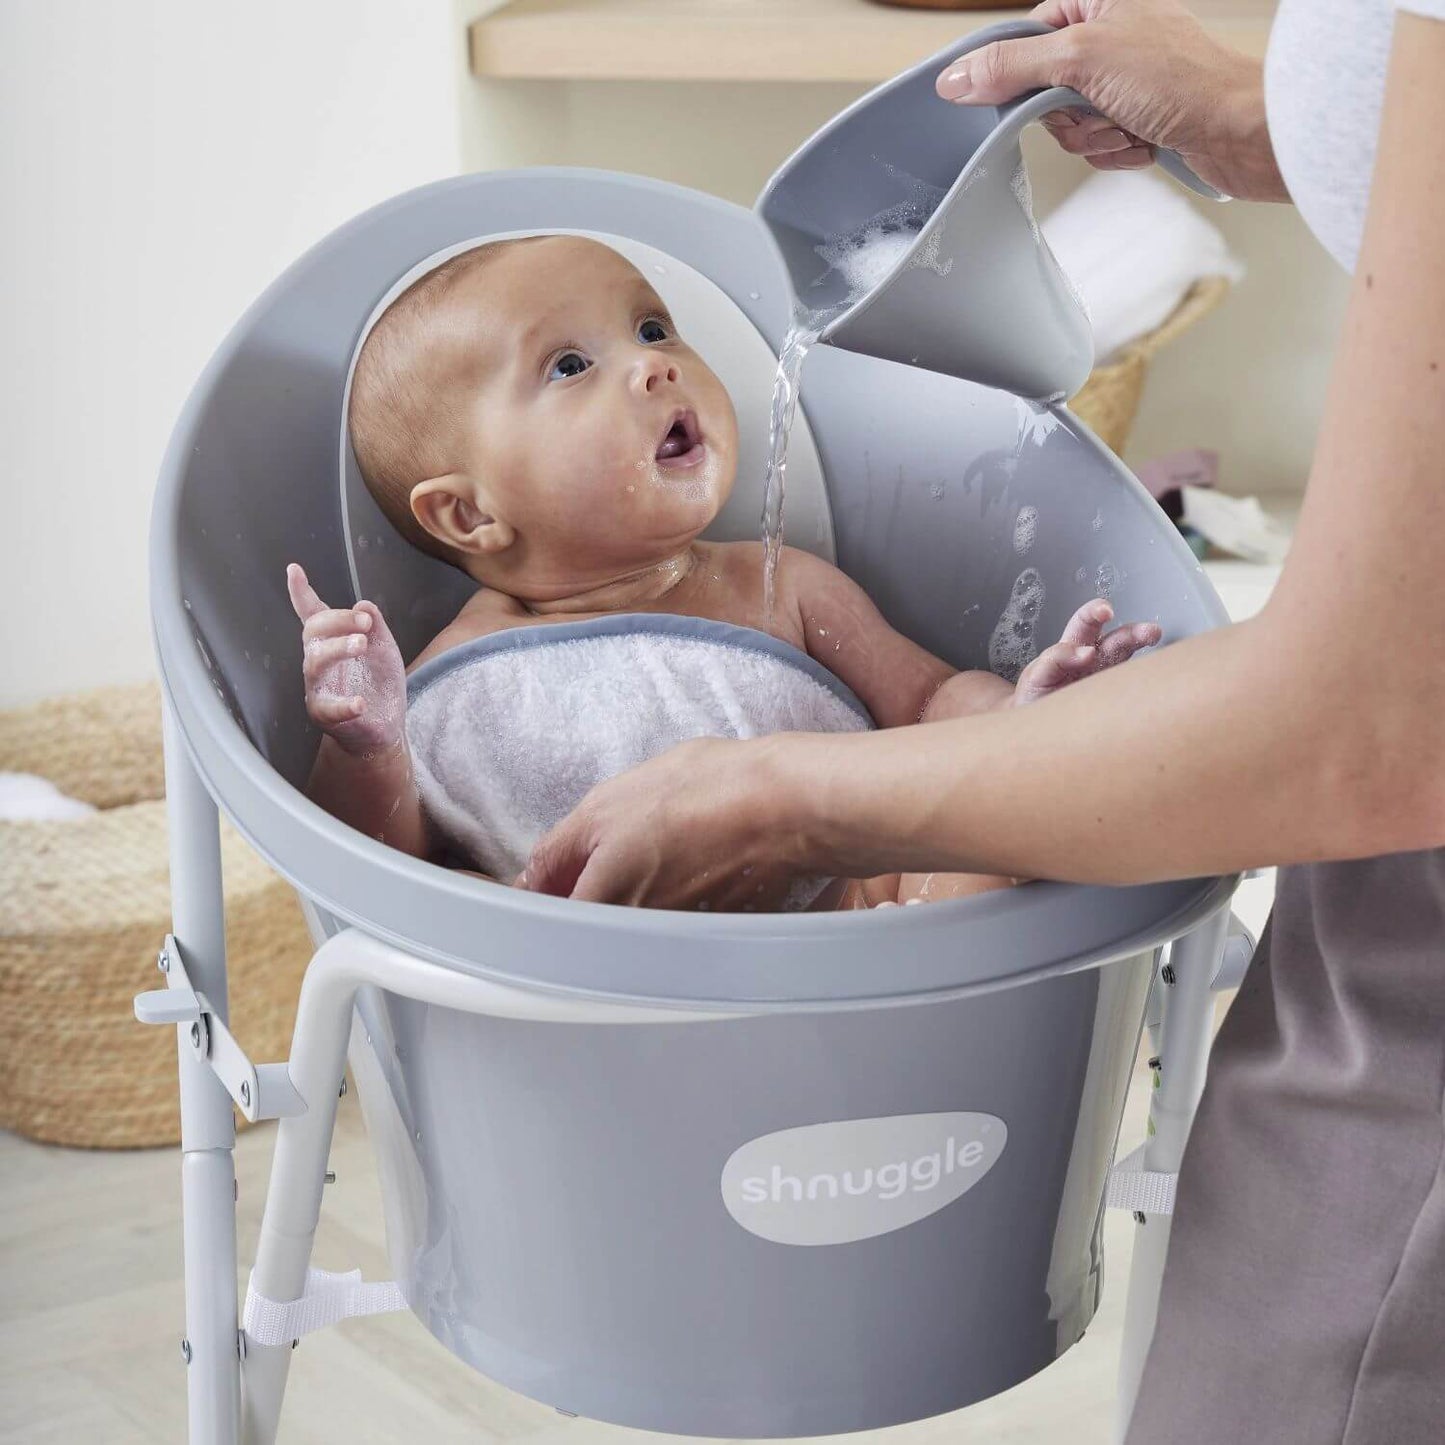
(326, 1299)
(1141, 1190)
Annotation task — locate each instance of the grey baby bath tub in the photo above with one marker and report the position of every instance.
(724, 1175)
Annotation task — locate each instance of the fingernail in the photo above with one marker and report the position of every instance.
(1060, 117)
(955, 83)
(1108, 141)
(362, 619)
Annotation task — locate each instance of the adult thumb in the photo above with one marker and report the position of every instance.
(555, 864)
(995, 73)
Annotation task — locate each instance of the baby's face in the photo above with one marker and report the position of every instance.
(594, 429)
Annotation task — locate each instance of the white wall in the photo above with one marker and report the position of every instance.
(163, 160)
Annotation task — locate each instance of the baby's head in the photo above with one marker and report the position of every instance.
(528, 412)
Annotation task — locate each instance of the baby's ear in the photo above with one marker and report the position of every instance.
(449, 509)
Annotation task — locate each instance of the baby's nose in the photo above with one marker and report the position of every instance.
(653, 370)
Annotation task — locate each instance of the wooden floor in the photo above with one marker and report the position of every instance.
(91, 1320)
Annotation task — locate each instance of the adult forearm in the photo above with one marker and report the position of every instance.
(1215, 755)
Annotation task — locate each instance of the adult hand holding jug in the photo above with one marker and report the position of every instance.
(1157, 78)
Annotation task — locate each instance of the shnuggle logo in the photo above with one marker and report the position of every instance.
(849, 1180)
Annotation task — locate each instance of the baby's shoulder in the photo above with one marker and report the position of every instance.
(484, 613)
(790, 559)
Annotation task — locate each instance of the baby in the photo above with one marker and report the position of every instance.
(528, 413)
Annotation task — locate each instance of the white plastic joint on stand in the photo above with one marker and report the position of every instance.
(1140, 1190)
(259, 1091)
(326, 1299)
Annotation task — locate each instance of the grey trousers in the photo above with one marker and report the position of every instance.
(1304, 1294)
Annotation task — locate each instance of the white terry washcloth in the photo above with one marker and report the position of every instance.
(510, 731)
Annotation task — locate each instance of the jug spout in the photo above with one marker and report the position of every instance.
(907, 227)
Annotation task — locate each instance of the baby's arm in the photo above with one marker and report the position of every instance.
(1081, 651)
(893, 677)
(899, 682)
(356, 694)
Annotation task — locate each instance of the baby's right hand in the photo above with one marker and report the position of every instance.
(355, 678)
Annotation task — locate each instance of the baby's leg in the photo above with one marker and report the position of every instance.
(935, 887)
(868, 892)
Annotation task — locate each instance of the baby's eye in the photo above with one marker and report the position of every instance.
(570, 363)
(652, 331)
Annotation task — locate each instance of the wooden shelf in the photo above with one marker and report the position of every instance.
(778, 40)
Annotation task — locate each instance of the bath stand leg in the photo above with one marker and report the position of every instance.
(1185, 1033)
(208, 1130)
(298, 1175)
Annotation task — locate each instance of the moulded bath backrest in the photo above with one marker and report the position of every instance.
(943, 494)
(419, 594)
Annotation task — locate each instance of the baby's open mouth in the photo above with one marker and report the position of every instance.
(681, 444)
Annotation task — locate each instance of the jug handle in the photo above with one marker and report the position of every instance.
(1015, 114)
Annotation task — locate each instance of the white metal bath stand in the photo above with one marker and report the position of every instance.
(236, 1377)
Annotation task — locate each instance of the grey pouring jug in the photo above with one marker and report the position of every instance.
(976, 293)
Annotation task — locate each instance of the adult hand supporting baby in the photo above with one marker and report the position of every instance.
(711, 823)
(654, 836)
(1157, 77)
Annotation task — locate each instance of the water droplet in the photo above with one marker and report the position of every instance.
(755, 295)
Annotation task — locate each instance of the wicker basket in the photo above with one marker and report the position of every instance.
(1109, 399)
(84, 905)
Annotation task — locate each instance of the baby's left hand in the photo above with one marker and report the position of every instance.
(1083, 650)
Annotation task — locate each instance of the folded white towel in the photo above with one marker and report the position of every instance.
(1133, 244)
(509, 732)
(25, 797)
